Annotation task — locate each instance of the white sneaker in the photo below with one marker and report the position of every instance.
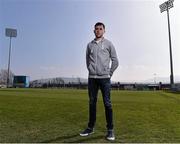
(87, 132)
(110, 135)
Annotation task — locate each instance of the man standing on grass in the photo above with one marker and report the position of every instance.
(99, 53)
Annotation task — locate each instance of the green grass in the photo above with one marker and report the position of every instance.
(52, 115)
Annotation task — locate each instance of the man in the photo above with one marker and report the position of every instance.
(99, 53)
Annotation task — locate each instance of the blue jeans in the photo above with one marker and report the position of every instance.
(105, 87)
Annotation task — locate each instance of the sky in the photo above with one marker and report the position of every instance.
(52, 36)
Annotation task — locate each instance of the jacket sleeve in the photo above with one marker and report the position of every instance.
(114, 59)
(87, 56)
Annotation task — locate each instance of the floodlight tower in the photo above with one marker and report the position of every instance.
(165, 7)
(10, 33)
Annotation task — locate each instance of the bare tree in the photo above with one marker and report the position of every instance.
(3, 77)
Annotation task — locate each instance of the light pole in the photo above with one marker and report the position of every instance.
(165, 7)
(10, 33)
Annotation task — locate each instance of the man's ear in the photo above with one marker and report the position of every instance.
(94, 31)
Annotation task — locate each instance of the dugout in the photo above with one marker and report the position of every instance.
(21, 81)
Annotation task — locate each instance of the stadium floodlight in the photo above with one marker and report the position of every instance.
(10, 33)
(165, 7)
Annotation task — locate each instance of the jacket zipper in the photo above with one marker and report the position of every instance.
(96, 60)
(98, 47)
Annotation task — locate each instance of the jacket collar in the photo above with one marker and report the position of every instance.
(94, 41)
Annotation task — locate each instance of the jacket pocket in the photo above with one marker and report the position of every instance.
(103, 70)
(106, 70)
(91, 69)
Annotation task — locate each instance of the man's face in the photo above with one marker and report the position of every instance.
(99, 31)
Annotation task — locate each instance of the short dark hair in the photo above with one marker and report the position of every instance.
(99, 24)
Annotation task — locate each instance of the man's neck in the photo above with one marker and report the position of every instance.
(98, 39)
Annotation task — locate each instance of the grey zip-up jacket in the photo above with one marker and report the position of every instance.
(98, 58)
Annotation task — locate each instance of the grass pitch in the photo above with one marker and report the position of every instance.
(59, 115)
